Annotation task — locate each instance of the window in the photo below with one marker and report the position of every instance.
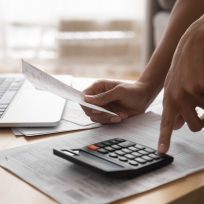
(49, 30)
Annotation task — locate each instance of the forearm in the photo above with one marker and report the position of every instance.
(185, 12)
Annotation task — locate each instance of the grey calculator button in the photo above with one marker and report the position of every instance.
(140, 160)
(113, 155)
(149, 150)
(136, 154)
(103, 151)
(126, 144)
(134, 163)
(124, 159)
(116, 147)
(110, 149)
(139, 146)
(133, 148)
(120, 153)
(126, 150)
(147, 158)
(129, 156)
(143, 152)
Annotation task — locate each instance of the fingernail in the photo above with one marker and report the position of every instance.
(162, 148)
(123, 115)
(96, 111)
(115, 119)
(88, 97)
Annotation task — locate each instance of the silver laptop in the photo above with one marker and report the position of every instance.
(21, 105)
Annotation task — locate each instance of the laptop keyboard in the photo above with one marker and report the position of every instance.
(9, 86)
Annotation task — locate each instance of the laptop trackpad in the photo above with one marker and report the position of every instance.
(33, 107)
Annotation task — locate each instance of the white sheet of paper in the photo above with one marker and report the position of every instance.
(46, 82)
(64, 126)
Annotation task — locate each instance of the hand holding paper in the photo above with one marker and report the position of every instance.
(43, 81)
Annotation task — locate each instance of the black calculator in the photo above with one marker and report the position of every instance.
(116, 158)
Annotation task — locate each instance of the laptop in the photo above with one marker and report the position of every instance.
(21, 105)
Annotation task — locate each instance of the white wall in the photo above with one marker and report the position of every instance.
(52, 10)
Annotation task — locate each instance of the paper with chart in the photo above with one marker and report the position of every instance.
(69, 183)
(46, 82)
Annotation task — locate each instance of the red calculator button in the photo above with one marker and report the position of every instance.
(93, 147)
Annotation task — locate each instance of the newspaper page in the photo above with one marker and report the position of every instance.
(69, 183)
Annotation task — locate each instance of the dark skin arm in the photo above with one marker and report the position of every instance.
(132, 99)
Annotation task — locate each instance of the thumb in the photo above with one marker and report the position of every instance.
(102, 99)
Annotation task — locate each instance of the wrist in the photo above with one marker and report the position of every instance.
(149, 91)
(152, 84)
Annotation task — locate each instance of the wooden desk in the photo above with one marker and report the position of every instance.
(13, 190)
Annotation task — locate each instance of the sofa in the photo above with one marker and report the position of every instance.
(157, 15)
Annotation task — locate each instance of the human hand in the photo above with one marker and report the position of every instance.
(124, 99)
(184, 86)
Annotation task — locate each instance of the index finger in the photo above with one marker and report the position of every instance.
(166, 129)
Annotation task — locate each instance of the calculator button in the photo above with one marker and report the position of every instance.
(133, 148)
(140, 160)
(110, 149)
(143, 152)
(120, 153)
(136, 154)
(154, 156)
(126, 144)
(160, 155)
(114, 155)
(129, 156)
(119, 140)
(134, 163)
(116, 147)
(103, 151)
(113, 141)
(147, 158)
(100, 145)
(93, 147)
(107, 143)
(126, 150)
(123, 159)
(149, 150)
(139, 146)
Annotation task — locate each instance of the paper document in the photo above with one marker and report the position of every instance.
(43, 81)
(69, 183)
(73, 119)
(64, 126)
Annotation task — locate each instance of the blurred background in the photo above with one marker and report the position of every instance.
(91, 38)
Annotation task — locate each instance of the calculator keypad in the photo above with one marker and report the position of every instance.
(116, 158)
(125, 151)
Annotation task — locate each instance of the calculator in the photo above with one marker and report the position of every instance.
(116, 158)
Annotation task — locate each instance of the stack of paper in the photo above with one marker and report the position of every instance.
(73, 119)
(73, 116)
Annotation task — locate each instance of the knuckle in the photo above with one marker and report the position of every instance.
(93, 119)
(195, 128)
(87, 91)
(100, 81)
(91, 89)
(100, 96)
(121, 88)
(88, 113)
(194, 89)
(165, 122)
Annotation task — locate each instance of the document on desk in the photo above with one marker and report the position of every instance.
(73, 119)
(69, 183)
(46, 82)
